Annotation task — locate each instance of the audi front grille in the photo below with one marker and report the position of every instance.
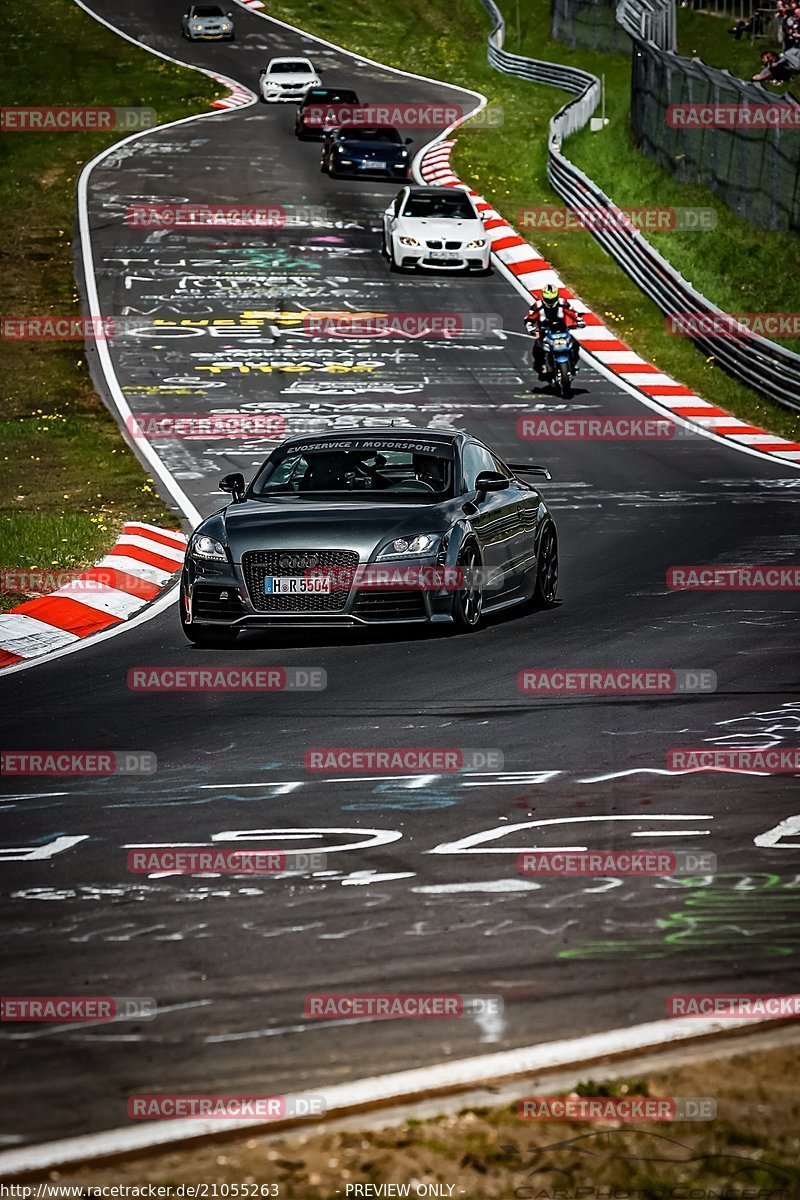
(258, 564)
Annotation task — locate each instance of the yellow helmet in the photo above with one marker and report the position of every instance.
(550, 292)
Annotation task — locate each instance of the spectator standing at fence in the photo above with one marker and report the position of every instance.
(791, 28)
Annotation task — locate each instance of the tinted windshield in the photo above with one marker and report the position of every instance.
(454, 204)
(423, 473)
(208, 10)
(373, 135)
(330, 96)
(290, 68)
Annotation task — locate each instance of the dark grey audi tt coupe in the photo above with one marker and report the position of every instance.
(359, 528)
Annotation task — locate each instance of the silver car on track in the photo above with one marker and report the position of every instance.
(207, 23)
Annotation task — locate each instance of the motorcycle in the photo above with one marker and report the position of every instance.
(557, 349)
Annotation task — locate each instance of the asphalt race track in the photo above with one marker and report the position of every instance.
(405, 907)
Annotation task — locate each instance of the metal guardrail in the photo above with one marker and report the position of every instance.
(767, 367)
(651, 20)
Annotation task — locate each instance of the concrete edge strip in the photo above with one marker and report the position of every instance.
(378, 1092)
(523, 265)
(142, 563)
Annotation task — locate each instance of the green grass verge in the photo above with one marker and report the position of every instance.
(509, 166)
(67, 479)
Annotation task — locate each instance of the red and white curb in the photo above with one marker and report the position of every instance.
(141, 564)
(253, 3)
(240, 97)
(527, 266)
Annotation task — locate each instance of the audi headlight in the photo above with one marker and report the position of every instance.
(478, 244)
(408, 241)
(422, 543)
(207, 547)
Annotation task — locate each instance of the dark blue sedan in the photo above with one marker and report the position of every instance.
(365, 150)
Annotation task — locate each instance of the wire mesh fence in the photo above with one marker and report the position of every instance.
(754, 169)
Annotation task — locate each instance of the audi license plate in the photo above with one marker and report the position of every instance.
(297, 585)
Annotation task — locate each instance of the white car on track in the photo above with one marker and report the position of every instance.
(435, 228)
(207, 23)
(286, 80)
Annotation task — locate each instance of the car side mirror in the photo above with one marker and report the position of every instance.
(491, 481)
(234, 484)
(409, 141)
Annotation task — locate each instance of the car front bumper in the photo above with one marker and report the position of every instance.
(221, 598)
(215, 36)
(471, 260)
(357, 170)
(285, 95)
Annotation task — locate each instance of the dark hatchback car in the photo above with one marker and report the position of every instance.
(360, 528)
(365, 150)
(321, 111)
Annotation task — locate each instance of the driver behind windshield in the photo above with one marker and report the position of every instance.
(428, 470)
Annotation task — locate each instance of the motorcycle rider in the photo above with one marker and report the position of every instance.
(551, 312)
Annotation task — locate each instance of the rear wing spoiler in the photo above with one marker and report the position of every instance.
(529, 469)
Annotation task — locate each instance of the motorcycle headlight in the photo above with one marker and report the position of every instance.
(478, 244)
(421, 543)
(408, 241)
(207, 547)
